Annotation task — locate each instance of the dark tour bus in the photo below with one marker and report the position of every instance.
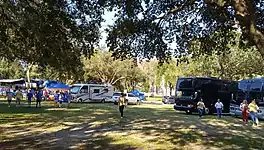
(190, 90)
(248, 90)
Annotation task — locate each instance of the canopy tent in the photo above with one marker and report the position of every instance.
(12, 81)
(139, 94)
(49, 83)
(58, 87)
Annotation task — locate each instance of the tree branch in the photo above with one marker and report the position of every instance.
(246, 15)
(176, 10)
(117, 80)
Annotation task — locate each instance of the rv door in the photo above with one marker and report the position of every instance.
(95, 93)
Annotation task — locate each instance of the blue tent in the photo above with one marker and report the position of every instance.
(58, 86)
(139, 94)
(49, 83)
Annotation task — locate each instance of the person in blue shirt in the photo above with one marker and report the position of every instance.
(29, 97)
(39, 98)
(56, 98)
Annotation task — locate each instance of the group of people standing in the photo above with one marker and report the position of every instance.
(18, 95)
(247, 110)
(38, 95)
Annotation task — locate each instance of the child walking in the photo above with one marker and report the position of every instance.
(61, 97)
(9, 98)
(244, 108)
(29, 97)
(121, 104)
(39, 99)
(19, 97)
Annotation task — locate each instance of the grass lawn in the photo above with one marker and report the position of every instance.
(98, 126)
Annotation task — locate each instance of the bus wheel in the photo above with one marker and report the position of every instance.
(207, 111)
(81, 100)
(188, 112)
(103, 101)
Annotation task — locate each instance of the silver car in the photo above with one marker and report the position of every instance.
(168, 100)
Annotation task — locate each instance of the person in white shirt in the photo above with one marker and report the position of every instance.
(219, 107)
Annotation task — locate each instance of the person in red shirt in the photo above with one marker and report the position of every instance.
(244, 108)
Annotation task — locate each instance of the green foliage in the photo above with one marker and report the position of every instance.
(104, 68)
(148, 30)
(10, 70)
(50, 32)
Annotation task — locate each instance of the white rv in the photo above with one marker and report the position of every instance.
(91, 92)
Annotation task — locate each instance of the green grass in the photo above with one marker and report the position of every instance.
(156, 98)
(98, 126)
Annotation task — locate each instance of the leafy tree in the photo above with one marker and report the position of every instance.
(10, 70)
(49, 32)
(147, 28)
(104, 68)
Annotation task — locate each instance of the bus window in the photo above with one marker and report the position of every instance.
(200, 82)
(184, 83)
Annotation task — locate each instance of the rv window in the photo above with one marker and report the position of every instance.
(96, 90)
(84, 89)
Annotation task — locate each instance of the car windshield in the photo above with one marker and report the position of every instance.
(116, 94)
(75, 89)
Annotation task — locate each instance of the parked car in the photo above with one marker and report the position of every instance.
(168, 100)
(130, 98)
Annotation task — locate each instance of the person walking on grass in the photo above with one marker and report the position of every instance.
(29, 97)
(39, 99)
(56, 98)
(219, 107)
(244, 108)
(19, 97)
(121, 104)
(68, 97)
(9, 98)
(61, 97)
(200, 108)
(253, 110)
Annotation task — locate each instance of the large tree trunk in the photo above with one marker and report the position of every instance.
(246, 15)
(28, 75)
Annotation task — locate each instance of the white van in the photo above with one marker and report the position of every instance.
(91, 92)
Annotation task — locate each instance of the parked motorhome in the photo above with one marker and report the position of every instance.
(189, 90)
(248, 90)
(91, 92)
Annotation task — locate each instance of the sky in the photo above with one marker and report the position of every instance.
(109, 20)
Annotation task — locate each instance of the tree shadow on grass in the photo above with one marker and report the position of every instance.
(100, 128)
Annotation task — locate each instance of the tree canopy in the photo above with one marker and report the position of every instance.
(58, 32)
(49, 32)
(148, 28)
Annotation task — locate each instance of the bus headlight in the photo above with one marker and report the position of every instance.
(178, 93)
